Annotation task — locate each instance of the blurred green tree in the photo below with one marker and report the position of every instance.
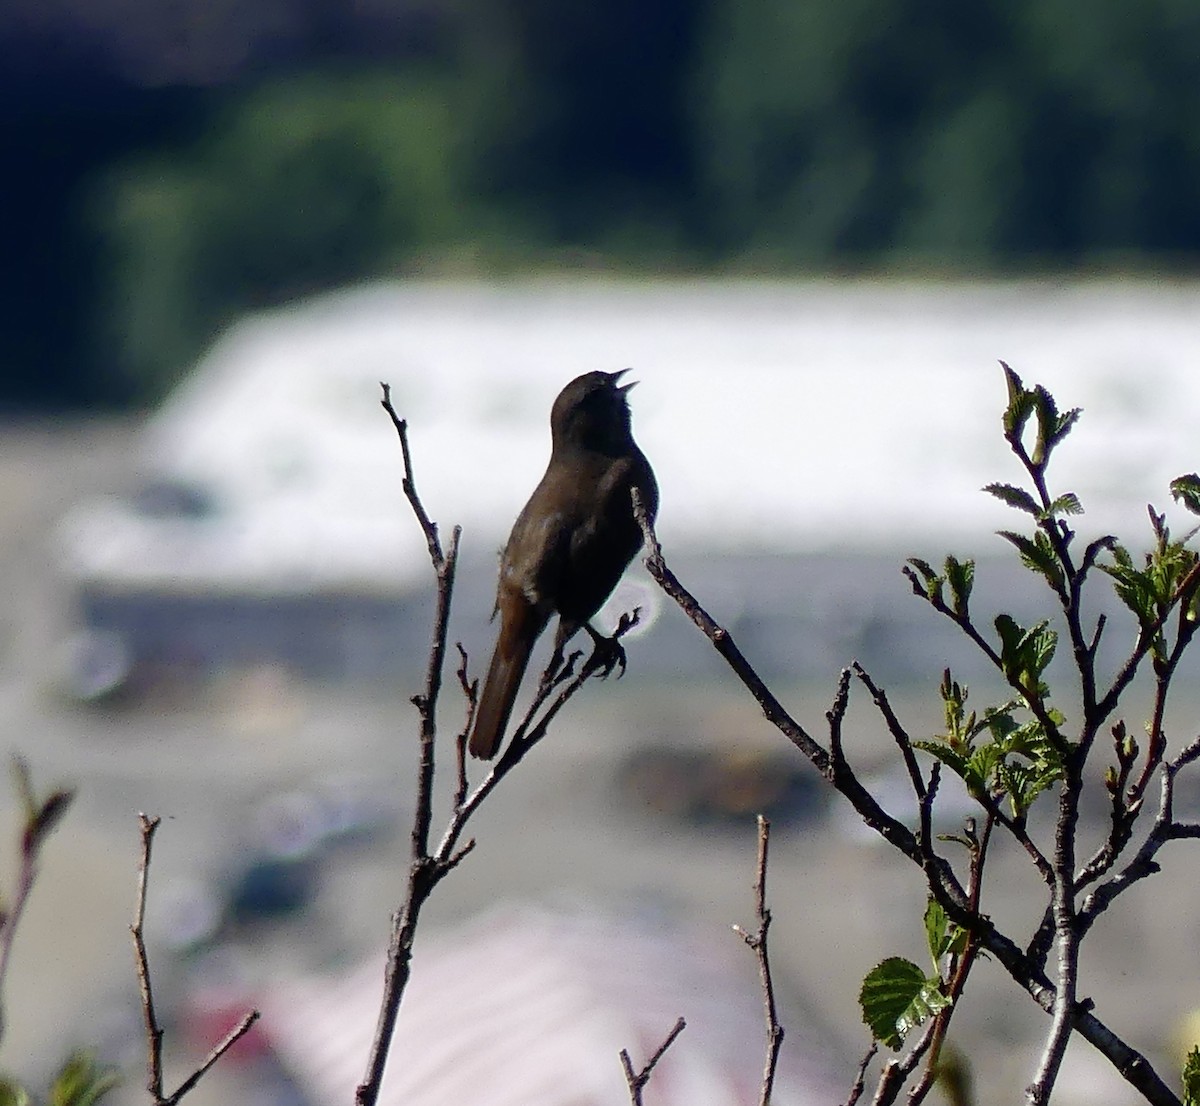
(301, 185)
(983, 134)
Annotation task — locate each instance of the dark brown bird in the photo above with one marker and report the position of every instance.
(571, 542)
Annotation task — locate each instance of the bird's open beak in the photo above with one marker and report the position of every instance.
(624, 388)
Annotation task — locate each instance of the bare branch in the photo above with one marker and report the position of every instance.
(424, 872)
(757, 942)
(1144, 862)
(724, 644)
(40, 817)
(231, 1038)
(636, 1081)
(154, 1032)
(860, 1077)
(837, 771)
(428, 528)
(470, 690)
(898, 732)
(836, 715)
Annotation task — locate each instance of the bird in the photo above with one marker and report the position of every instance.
(571, 542)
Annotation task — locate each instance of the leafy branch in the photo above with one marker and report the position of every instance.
(1011, 753)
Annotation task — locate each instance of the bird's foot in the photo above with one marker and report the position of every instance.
(608, 652)
(560, 669)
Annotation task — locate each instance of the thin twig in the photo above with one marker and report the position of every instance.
(836, 715)
(423, 873)
(470, 690)
(154, 1031)
(636, 1081)
(836, 771)
(428, 527)
(1144, 862)
(860, 1076)
(960, 967)
(758, 944)
(40, 816)
(898, 732)
(230, 1039)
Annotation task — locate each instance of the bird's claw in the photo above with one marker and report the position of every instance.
(607, 653)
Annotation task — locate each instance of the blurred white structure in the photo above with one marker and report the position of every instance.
(781, 419)
(532, 1006)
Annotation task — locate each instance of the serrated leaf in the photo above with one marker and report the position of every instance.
(1066, 423)
(958, 762)
(1042, 643)
(886, 993)
(1186, 490)
(1015, 388)
(1037, 554)
(1048, 424)
(1025, 653)
(1020, 406)
(1014, 497)
(1066, 504)
(960, 575)
(1010, 634)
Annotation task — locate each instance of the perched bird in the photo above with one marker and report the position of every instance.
(570, 543)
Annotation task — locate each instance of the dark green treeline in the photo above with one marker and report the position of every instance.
(655, 135)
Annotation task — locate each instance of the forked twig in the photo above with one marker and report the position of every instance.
(428, 866)
(636, 1081)
(154, 1031)
(757, 942)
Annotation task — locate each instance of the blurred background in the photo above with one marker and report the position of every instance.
(812, 229)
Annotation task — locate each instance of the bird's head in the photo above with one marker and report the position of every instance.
(592, 412)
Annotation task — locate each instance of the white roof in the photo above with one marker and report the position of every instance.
(532, 1006)
(777, 416)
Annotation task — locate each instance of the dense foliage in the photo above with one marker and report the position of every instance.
(692, 133)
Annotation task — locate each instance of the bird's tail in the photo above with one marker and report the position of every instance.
(519, 629)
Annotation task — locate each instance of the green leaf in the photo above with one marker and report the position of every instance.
(942, 935)
(1186, 490)
(1052, 427)
(1066, 504)
(1037, 554)
(962, 764)
(1025, 654)
(1066, 423)
(896, 997)
(1014, 497)
(1191, 1078)
(960, 575)
(930, 584)
(1020, 406)
(82, 1082)
(936, 924)
(13, 1094)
